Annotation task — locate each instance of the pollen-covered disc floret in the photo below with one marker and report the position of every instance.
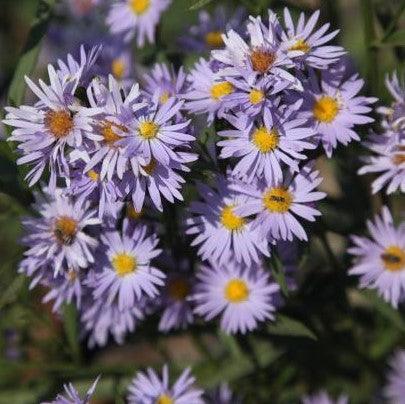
(149, 388)
(380, 259)
(242, 296)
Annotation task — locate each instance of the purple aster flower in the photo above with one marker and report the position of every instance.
(118, 112)
(335, 109)
(387, 160)
(72, 395)
(177, 312)
(252, 95)
(126, 271)
(243, 296)
(208, 90)
(394, 391)
(207, 34)
(137, 18)
(89, 186)
(223, 395)
(100, 318)
(165, 81)
(149, 388)
(59, 236)
(156, 179)
(306, 47)
(219, 231)
(58, 121)
(278, 203)
(155, 133)
(395, 114)
(65, 288)
(323, 398)
(380, 260)
(262, 55)
(263, 145)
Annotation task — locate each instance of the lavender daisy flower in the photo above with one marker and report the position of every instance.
(59, 235)
(394, 391)
(323, 398)
(380, 260)
(65, 288)
(208, 90)
(126, 271)
(306, 47)
(101, 318)
(243, 296)
(157, 180)
(395, 114)
(118, 112)
(100, 192)
(264, 145)
(335, 109)
(149, 388)
(177, 312)
(155, 133)
(219, 231)
(263, 54)
(72, 395)
(388, 161)
(137, 18)
(45, 131)
(165, 81)
(252, 95)
(278, 203)
(223, 395)
(207, 34)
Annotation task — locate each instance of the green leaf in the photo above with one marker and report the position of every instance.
(395, 39)
(70, 322)
(278, 274)
(199, 4)
(385, 309)
(30, 53)
(287, 326)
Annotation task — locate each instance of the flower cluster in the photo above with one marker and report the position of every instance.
(114, 153)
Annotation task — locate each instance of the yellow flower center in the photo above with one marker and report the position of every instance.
(148, 130)
(65, 229)
(164, 97)
(93, 175)
(325, 109)
(139, 6)
(214, 39)
(109, 132)
(124, 264)
(231, 221)
(300, 45)
(236, 291)
(118, 68)
(221, 89)
(398, 158)
(265, 140)
(150, 168)
(132, 212)
(393, 258)
(277, 200)
(256, 96)
(164, 399)
(59, 123)
(262, 60)
(178, 289)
